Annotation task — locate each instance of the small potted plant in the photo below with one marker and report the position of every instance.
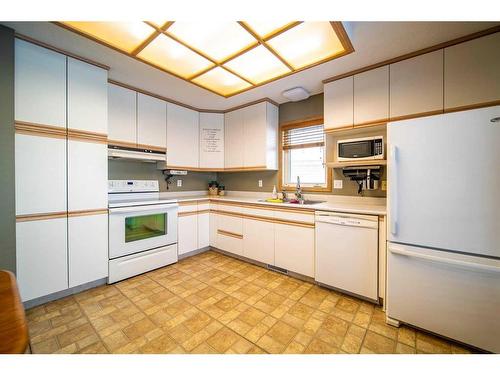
(222, 189)
(213, 188)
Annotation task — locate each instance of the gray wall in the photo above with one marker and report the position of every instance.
(128, 170)
(7, 137)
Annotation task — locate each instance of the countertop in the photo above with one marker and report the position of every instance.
(329, 205)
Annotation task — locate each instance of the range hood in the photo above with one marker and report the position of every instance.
(138, 154)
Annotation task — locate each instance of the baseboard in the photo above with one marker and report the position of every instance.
(194, 252)
(63, 293)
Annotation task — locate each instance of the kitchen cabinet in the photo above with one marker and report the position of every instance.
(151, 122)
(87, 248)
(41, 257)
(40, 174)
(122, 125)
(416, 85)
(234, 139)
(87, 175)
(213, 224)
(87, 97)
(258, 240)
(212, 140)
(472, 72)
(187, 233)
(294, 248)
(40, 85)
(252, 137)
(338, 104)
(230, 233)
(203, 230)
(371, 96)
(183, 137)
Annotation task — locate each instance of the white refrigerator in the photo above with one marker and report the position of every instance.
(443, 262)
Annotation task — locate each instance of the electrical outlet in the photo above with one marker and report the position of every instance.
(337, 184)
(260, 183)
(179, 183)
(384, 185)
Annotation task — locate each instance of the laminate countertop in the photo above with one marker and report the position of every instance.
(328, 205)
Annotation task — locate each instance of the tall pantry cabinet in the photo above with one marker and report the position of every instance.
(61, 171)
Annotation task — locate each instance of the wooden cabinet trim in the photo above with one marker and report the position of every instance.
(41, 216)
(151, 147)
(188, 213)
(86, 136)
(229, 234)
(267, 219)
(40, 130)
(472, 106)
(91, 212)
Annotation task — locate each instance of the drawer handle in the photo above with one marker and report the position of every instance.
(452, 262)
(229, 234)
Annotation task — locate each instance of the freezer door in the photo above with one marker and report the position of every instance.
(454, 295)
(444, 178)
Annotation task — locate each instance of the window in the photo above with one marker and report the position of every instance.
(303, 147)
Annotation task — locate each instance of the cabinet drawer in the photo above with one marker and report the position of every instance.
(261, 212)
(203, 206)
(230, 224)
(230, 242)
(188, 206)
(236, 208)
(295, 216)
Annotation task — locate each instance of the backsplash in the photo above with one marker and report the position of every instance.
(128, 170)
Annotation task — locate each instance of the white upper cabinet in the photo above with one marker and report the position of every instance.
(338, 103)
(122, 115)
(87, 97)
(40, 85)
(212, 140)
(472, 72)
(371, 96)
(183, 137)
(252, 137)
(151, 121)
(416, 85)
(233, 142)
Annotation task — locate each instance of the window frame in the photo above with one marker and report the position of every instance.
(281, 168)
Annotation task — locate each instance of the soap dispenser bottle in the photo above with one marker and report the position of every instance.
(275, 193)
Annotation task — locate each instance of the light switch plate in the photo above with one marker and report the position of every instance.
(384, 185)
(337, 184)
(260, 183)
(179, 183)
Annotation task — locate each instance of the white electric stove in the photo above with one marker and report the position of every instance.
(142, 228)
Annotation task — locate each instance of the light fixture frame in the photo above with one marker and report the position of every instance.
(337, 26)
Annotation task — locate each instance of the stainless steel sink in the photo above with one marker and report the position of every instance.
(307, 201)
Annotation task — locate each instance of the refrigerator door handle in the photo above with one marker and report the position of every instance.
(453, 262)
(394, 189)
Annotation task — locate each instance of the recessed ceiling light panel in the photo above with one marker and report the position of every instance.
(221, 81)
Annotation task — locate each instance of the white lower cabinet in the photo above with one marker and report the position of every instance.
(294, 248)
(203, 230)
(42, 262)
(258, 240)
(187, 235)
(87, 248)
(230, 234)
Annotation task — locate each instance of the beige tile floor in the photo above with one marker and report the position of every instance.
(212, 303)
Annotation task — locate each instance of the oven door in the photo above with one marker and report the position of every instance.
(140, 228)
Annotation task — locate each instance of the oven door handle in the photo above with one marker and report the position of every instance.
(152, 207)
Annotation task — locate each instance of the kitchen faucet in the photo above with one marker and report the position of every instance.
(298, 192)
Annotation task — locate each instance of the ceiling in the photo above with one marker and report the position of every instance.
(226, 58)
(372, 41)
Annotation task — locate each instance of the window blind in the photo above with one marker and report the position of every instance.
(303, 137)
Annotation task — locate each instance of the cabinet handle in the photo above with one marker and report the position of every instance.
(442, 260)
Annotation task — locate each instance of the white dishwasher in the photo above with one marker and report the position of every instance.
(347, 253)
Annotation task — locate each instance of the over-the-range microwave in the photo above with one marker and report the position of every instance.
(369, 148)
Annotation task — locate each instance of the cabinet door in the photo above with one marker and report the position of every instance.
(87, 97)
(183, 136)
(294, 249)
(233, 141)
(203, 230)
(187, 233)
(416, 85)
(87, 175)
(40, 85)
(371, 96)
(151, 121)
(230, 234)
(255, 136)
(338, 103)
(272, 130)
(213, 227)
(472, 72)
(87, 248)
(212, 140)
(122, 115)
(41, 256)
(40, 174)
(258, 240)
